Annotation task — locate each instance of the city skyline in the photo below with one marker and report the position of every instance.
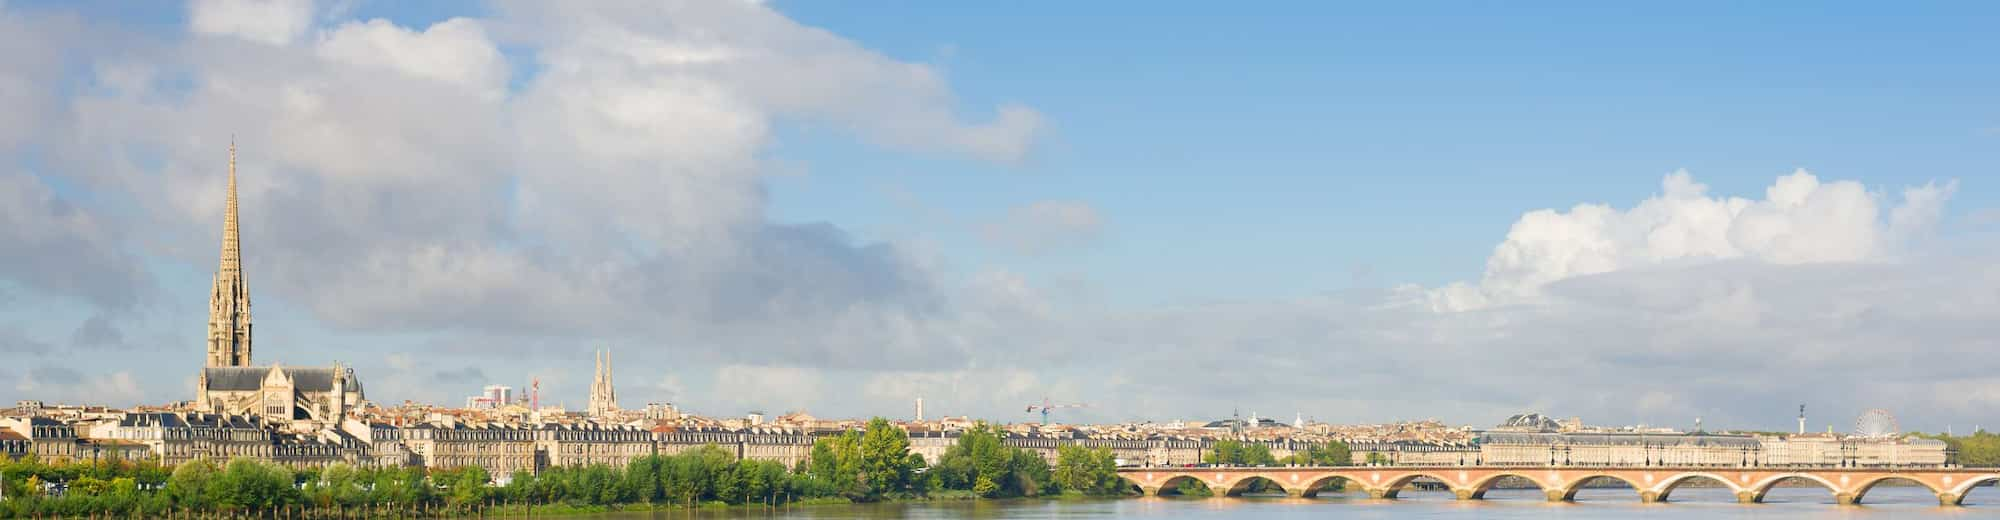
(776, 207)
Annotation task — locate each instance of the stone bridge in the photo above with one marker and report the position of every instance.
(1653, 484)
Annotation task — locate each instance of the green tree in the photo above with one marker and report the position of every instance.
(249, 484)
(1239, 453)
(1087, 471)
(190, 482)
(884, 451)
(1028, 475)
(468, 486)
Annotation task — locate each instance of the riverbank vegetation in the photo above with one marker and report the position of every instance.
(873, 464)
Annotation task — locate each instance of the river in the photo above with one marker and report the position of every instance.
(1688, 503)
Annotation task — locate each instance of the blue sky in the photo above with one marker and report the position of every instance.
(1244, 152)
(808, 196)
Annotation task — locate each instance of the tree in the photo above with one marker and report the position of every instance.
(1239, 453)
(642, 479)
(468, 487)
(1028, 474)
(1334, 453)
(884, 451)
(189, 484)
(1087, 471)
(254, 485)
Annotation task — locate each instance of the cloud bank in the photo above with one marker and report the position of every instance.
(491, 197)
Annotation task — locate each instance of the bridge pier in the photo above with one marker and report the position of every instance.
(1152, 491)
(1465, 494)
(1647, 496)
(1556, 495)
(1749, 497)
(1381, 493)
(1845, 498)
(1948, 499)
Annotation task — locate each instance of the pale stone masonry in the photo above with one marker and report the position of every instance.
(305, 399)
(603, 397)
(229, 299)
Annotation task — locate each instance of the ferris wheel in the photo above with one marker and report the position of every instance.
(1875, 424)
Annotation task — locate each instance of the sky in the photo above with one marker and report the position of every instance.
(1163, 210)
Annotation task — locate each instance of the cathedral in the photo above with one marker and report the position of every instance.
(603, 398)
(306, 398)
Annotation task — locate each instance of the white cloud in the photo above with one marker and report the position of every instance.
(64, 385)
(454, 51)
(275, 22)
(767, 388)
(395, 184)
(61, 248)
(1800, 220)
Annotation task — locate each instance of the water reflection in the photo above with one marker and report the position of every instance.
(1592, 503)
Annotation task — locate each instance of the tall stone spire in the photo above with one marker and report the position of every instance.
(603, 398)
(229, 301)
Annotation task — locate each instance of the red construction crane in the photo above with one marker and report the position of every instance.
(1047, 407)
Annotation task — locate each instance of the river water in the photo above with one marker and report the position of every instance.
(1688, 503)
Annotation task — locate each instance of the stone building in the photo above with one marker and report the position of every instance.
(676, 440)
(1175, 451)
(502, 450)
(1126, 451)
(307, 451)
(174, 438)
(1514, 448)
(590, 443)
(45, 438)
(13, 445)
(384, 443)
(782, 445)
(1412, 453)
(308, 398)
(1830, 451)
(1532, 439)
(311, 398)
(931, 444)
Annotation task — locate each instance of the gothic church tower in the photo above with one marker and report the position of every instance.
(603, 399)
(229, 301)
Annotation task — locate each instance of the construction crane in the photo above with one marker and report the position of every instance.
(1047, 407)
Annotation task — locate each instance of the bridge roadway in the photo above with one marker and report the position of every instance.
(1561, 483)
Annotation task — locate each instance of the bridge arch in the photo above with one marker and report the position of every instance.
(1755, 492)
(1171, 482)
(1478, 489)
(1575, 485)
(1862, 489)
(1320, 481)
(1668, 485)
(1394, 485)
(1957, 496)
(1242, 485)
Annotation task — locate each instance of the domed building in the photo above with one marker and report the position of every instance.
(1529, 422)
